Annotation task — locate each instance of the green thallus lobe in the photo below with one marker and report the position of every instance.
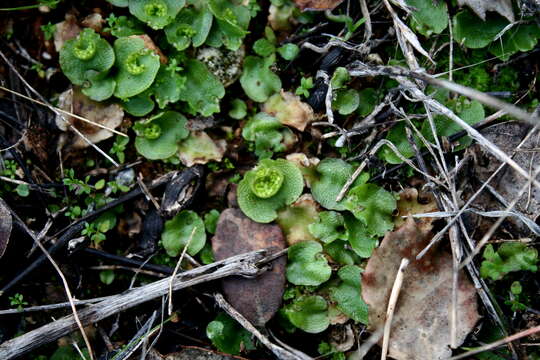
(266, 182)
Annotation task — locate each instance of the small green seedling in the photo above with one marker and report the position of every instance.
(305, 85)
(270, 186)
(509, 257)
(516, 297)
(48, 30)
(18, 301)
(119, 147)
(123, 26)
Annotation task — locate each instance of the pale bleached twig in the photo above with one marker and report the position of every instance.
(465, 207)
(499, 221)
(146, 192)
(400, 74)
(519, 335)
(50, 306)
(280, 352)
(372, 152)
(122, 267)
(170, 306)
(242, 265)
(394, 295)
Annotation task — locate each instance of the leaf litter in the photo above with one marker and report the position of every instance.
(421, 325)
(181, 75)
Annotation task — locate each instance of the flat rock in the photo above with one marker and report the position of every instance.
(256, 299)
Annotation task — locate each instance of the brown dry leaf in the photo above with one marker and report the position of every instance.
(65, 30)
(289, 110)
(149, 44)
(480, 7)
(295, 219)
(199, 148)
(317, 4)
(341, 337)
(74, 101)
(421, 326)
(94, 21)
(256, 299)
(6, 223)
(408, 204)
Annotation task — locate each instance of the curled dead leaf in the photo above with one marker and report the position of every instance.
(74, 101)
(289, 110)
(421, 325)
(256, 299)
(317, 4)
(149, 44)
(411, 202)
(199, 148)
(94, 21)
(295, 218)
(65, 30)
(480, 7)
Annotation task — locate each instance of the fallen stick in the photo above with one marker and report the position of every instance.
(247, 265)
(282, 353)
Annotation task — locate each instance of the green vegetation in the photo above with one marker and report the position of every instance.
(268, 187)
(237, 90)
